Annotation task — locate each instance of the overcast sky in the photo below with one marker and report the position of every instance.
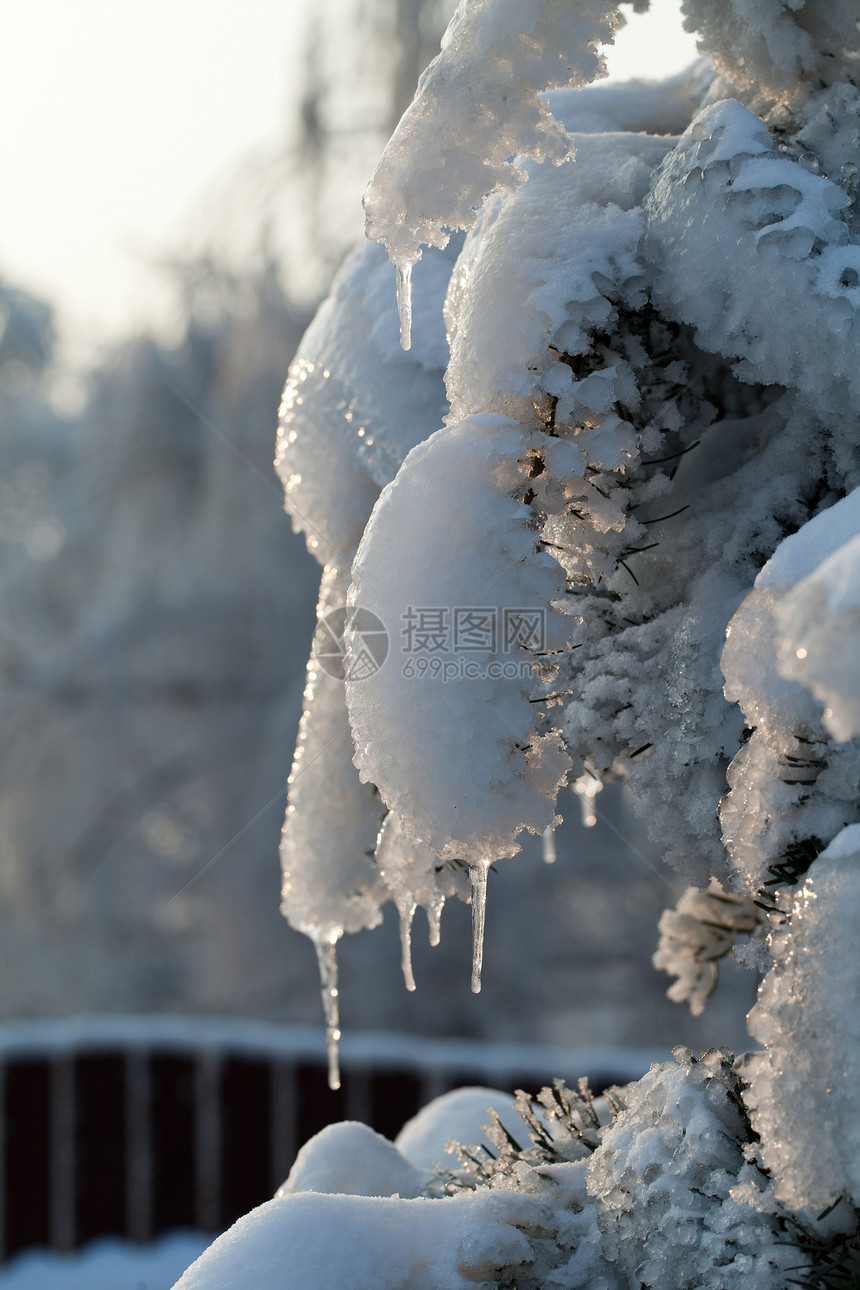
(118, 114)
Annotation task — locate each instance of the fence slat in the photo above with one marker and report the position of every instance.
(284, 1143)
(27, 1154)
(316, 1104)
(246, 1099)
(100, 1146)
(173, 1147)
(395, 1098)
(207, 1141)
(138, 1131)
(63, 1162)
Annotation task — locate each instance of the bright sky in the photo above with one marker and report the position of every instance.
(118, 114)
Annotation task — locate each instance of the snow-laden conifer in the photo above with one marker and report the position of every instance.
(652, 440)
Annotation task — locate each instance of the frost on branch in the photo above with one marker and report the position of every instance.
(456, 1116)
(803, 1095)
(774, 48)
(701, 929)
(677, 1203)
(477, 105)
(741, 235)
(653, 1185)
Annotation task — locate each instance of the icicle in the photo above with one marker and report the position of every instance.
(434, 919)
(478, 875)
(549, 856)
(588, 786)
(406, 910)
(327, 959)
(404, 302)
(415, 876)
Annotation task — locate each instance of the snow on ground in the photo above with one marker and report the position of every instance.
(107, 1265)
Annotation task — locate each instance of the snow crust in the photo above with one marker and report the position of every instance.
(498, 774)
(461, 1115)
(311, 1241)
(819, 621)
(648, 106)
(349, 1159)
(801, 553)
(525, 291)
(740, 234)
(330, 883)
(795, 630)
(355, 402)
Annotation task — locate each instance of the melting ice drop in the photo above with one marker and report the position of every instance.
(549, 854)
